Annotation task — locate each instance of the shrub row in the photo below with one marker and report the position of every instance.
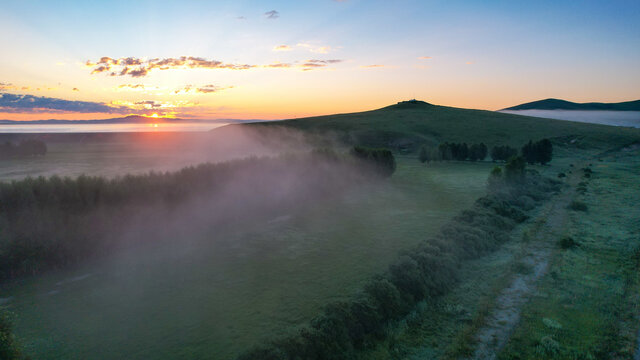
(426, 272)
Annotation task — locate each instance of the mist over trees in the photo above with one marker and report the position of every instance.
(55, 222)
(382, 160)
(29, 147)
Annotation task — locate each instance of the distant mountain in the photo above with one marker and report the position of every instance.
(557, 104)
(131, 119)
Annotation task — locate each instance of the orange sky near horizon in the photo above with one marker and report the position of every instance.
(233, 60)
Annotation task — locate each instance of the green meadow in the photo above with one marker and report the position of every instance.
(214, 299)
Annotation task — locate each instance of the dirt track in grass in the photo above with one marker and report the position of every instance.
(502, 320)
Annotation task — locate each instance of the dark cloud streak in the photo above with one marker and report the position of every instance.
(15, 103)
(272, 14)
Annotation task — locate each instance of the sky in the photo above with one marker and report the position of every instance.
(286, 59)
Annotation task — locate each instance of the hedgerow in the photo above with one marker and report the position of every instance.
(425, 272)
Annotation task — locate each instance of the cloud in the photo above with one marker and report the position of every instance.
(120, 67)
(142, 105)
(279, 65)
(7, 86)
(136, 67)
(132, 86)
(187, 89)
(321, 49)
(425, 58)
(204, 89)
(241, 18)
(469, 63)
(282, 48)
(372, 66)
(149, 104)
(272, 14)
(75, 89)
(316, 64)
(14, 103)
(316, 49)
(139, 72)
(30, 103)
(325, 62)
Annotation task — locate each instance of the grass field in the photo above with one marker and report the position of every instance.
(237, 288)
(586, 307)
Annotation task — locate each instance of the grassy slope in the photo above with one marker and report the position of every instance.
(409, 124)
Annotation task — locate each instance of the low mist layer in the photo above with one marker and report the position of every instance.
(615, 118)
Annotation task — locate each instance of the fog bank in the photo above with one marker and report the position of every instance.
(615, 118)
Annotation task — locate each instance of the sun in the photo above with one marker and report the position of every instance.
(154, 115)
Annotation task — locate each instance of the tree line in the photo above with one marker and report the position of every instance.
(453, 151)
(381, 159)
(539, 152)
(29, 147)
(55, 222)
(426, 272)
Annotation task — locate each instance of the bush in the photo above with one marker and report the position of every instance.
(424, 155)
(567, 243)
(514, 169)
(577, 206)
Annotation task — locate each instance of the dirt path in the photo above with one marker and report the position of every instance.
(504, 317)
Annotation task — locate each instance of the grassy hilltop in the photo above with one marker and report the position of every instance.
(407, 124)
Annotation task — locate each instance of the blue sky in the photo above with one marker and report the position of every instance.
(479, 54)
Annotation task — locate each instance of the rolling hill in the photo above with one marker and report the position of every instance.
(407, 125)
(557, 104)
